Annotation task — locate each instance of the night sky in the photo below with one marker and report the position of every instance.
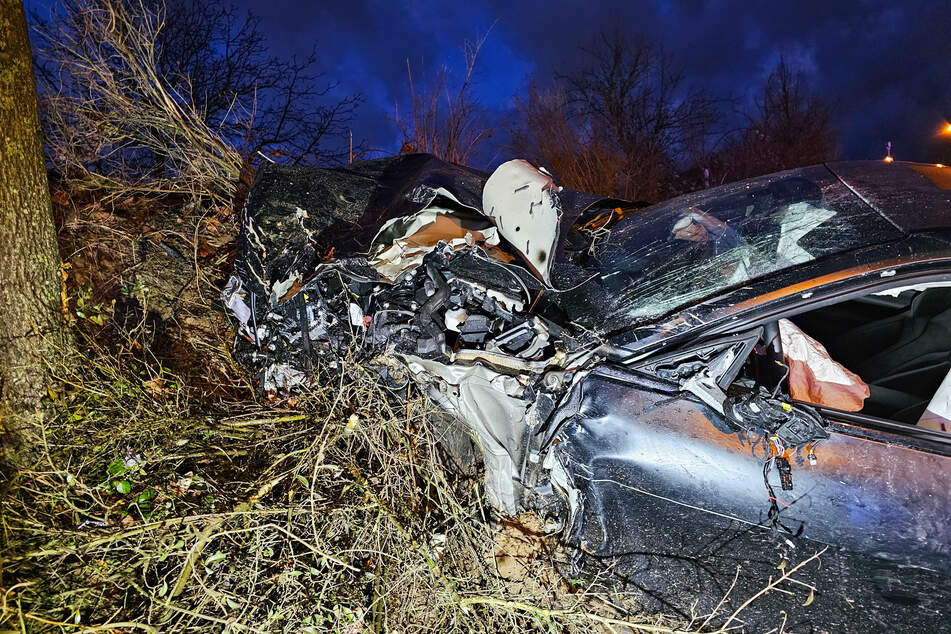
(885, 66)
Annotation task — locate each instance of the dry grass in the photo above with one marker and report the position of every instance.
(167, 496)
(148, 512)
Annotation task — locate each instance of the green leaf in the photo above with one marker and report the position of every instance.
(218, 556)
(123, 486)
(116, 467)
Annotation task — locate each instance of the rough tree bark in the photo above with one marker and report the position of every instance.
(29, 259)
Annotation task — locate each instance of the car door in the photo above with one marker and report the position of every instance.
(660, 469)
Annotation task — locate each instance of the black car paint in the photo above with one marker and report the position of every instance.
(646, 460)
(915, 197)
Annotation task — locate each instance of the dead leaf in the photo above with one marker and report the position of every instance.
(155, 387)
(810, 598)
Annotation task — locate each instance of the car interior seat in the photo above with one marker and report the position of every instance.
(903, 353)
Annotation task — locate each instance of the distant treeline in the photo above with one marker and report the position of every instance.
(184, 96)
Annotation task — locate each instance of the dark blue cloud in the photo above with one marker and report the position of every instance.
(885, 65)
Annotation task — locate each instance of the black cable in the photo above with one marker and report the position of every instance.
(780, 383)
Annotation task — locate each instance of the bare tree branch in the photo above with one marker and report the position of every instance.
(453, 132)
(788, 127)
(177, 95)
(627, 117)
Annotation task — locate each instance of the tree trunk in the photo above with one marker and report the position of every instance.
(29, 259)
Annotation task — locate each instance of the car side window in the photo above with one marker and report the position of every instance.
(886, 354)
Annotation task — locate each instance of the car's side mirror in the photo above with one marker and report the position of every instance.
(706, 369)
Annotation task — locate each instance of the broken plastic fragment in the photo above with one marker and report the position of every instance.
(402, 242)
(231, 297)
(279, 377)
(282, 290)
(455, 318)
(523, 201)
(356, 315)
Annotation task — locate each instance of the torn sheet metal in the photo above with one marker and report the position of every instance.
(234, 300)
(523, 201)
(402, 242)
(494, 405)
(297, 218)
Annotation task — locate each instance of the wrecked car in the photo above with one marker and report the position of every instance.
(740, 375)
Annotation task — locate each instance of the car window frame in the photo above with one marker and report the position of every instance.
(934, 441)
(884, 430)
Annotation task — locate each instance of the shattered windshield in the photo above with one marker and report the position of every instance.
(668, 256)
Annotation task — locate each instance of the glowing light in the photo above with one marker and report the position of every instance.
(939, 164)
(888, 159)
(947, 129)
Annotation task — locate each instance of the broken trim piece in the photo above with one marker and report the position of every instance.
(523, 202)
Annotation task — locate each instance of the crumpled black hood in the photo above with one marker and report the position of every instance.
(295, 215)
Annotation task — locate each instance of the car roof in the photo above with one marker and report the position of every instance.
(915, 197)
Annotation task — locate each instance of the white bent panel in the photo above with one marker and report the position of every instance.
(523, 202)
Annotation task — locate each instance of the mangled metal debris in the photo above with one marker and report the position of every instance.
(596, 351)
(436, 292)
(476, 323)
